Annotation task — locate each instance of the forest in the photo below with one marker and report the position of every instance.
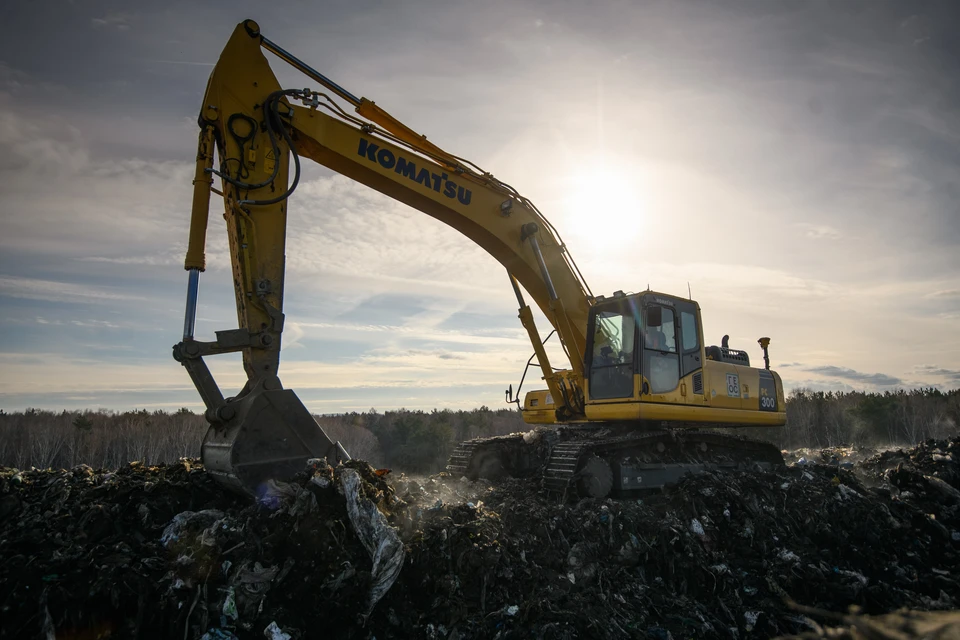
(420, 441)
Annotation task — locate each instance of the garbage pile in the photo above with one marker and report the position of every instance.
(839, 455)
(933, 458)
(159, 552)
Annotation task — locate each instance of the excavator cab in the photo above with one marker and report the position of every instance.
(657, 343)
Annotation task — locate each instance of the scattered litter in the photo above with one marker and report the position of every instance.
(696, 527)
(273, 632)
(788, 556)
(847, 492)
(230, 605)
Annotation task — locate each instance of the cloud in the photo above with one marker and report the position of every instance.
(95, 158)
(184, 62)
(820, 231)
(73, 374)
(40, 147)
(345, 330)
(54, 291)
(340, 228)
(744, 280)
(112, 20)
(11, 78)
(952, 375)
(155, 260)
(946, 293)
(879, 379)
(100, 324)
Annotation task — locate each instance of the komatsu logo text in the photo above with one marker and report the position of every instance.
(439, 182)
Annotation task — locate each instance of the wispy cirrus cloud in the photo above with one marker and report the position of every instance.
(113, 20)
(54, 291)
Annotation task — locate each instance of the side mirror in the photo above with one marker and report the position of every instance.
(653, 317)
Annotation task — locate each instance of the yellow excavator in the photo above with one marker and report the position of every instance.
(638, 406)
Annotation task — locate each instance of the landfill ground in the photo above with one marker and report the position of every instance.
(165, 552)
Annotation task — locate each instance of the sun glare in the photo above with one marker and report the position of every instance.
(604, 207)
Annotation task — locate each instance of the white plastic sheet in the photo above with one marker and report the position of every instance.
(378, 537)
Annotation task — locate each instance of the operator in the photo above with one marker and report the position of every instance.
(655, 339)
(603, 346)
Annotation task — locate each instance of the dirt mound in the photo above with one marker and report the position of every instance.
(165, 552)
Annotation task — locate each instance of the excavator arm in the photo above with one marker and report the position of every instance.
(255, 128)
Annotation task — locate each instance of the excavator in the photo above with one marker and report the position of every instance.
(642, 401)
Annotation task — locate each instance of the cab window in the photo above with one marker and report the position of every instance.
(688, 323)
(664, 337)
(611, 371)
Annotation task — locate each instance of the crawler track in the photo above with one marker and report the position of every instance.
(636, 459)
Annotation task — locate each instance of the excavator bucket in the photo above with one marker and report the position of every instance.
(271, 436)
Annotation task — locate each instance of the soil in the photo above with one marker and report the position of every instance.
(165, 552)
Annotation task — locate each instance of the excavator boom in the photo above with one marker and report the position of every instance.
(254, 127)
(636, 362)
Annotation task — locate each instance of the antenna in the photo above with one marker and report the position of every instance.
(689, 294)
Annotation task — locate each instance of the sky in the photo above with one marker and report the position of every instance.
(796, 165)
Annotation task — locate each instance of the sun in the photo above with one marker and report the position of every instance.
(604, 206)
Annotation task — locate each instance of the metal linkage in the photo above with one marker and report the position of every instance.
(190, 314)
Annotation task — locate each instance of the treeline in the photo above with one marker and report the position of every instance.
(420, 442)
(414, 441)
(43, 439)
(819, 419)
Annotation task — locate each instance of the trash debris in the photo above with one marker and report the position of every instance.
(273, 632)
(230, 606)
(378, 537)
(165, 552)
(696, 527)
(218, 634)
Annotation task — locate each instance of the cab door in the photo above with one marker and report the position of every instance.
(691, 351)
(660, 354)
(611, 353)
